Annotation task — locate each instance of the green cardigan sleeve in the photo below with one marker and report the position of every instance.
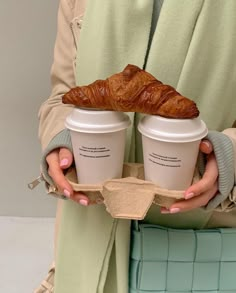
(224, 154)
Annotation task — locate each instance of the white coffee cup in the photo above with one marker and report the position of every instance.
(98, 141)
(170, 149)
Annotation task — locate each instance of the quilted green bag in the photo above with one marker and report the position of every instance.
(166, 260)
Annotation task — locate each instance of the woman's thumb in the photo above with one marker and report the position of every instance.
(65, 158)
(206, 147)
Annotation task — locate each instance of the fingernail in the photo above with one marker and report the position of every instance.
(206, 143)
(66, 193)
(83, 202)
(174, 210)
(64, 162)
(165, 211)
(189, 195)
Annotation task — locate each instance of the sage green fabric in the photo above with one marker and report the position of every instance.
(224, 153)
(187, 52)
(175, 260)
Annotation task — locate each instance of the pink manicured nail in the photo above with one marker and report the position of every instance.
(83, 202)
(165, 211)
(174, 210)
(66, 193)
(189, 195)
(206, 143)
(64, 162)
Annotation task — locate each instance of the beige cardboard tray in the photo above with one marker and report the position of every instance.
(129, 197)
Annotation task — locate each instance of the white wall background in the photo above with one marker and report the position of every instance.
(27, 35)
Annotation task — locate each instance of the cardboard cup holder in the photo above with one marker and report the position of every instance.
(129, 197)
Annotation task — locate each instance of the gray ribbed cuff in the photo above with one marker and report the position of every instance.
(224, 153)
(61, 140)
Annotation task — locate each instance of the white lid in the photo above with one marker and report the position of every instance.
(172, 130)
(95, 121)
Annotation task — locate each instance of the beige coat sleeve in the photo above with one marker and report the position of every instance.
(52, 112)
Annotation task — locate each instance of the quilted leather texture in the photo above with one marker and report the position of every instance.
(167, 260)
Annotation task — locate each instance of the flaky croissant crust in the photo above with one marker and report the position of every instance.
(133, 90)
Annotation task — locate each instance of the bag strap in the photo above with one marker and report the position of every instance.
(200, 222)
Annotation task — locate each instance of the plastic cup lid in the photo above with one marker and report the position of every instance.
(96, 121)
(172, 130)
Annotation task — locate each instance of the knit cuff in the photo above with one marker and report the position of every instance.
(61, 140)
(224, 153)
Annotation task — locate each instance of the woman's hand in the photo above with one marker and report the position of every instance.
(58, 161)
(200, 193)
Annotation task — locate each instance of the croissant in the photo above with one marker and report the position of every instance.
(133, 90)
